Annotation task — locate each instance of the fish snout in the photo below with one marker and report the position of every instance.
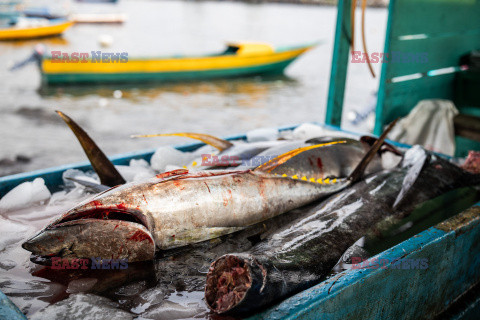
(48, 243)
(94, 238)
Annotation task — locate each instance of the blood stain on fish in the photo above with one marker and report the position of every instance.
(139, 236)
(207, 187)
(320, 166)
(121, 206)
(97, 203)
(178, 184)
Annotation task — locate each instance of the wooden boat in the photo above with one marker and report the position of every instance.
(8, 12)
(240, 59)
(24, 33)
(43, 12)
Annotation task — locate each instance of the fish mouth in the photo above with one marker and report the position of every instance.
(102, 213)
(99, 232)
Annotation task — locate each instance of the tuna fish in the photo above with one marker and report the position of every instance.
(177, 208)
(333, 160)
(251, 155)
(302, 253)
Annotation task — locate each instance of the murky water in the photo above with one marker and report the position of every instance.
(30, 128)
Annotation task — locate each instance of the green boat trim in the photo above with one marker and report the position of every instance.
(84, 78)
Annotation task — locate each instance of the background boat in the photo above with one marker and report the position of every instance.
(240, 59)
(34, 29)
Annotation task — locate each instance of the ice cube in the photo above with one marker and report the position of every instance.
(167, 155)
(80, 175)
(147, 299)
(25, 195)
(135, 172)
(7, 264)
(143, 169)
(73, 196)
(307, 131)
(30, 295)
(168, 310)
(12, 232)
(131, 289)
(81, 285)
(82, 306)
(263, 134)
(172, 167)
(139, 163)
(208, 149)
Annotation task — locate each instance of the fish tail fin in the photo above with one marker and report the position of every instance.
(415, 165)
(213, 141)
(105, 169)
(357, 173)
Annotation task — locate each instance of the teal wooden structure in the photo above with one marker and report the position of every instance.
(451, 250)
(8, 310)
(425, 40)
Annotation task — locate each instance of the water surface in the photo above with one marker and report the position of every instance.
(30, 128)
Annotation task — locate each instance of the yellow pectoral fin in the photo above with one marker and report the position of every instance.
(213, 141)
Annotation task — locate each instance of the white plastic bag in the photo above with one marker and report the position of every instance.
(429, 124)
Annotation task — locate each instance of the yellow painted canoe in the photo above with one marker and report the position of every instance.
(53, 29)
(240, 59)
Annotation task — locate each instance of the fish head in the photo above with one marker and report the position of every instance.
(109, 226)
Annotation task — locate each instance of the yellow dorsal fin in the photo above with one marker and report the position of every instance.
(213, 141)
(275, 162)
